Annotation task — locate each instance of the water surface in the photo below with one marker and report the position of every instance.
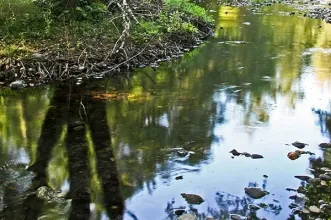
(263, 82)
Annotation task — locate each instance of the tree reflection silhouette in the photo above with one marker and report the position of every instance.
(74, 108)
(106, 165)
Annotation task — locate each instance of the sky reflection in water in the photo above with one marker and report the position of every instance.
(254, 97)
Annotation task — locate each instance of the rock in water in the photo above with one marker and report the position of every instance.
(255, 193)
(234, 152)
(182, 152)
(179, 212)
(314, 209)
(192, 198)
(237, 217)
(187, 217)
(256, 156)
(303, 178)
(253, 207)
(18, 84)
(325, 145)
(325, 177)
(299, 144)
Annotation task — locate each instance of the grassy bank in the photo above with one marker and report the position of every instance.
(39, 41)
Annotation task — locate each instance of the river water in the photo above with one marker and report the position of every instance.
(262, 82)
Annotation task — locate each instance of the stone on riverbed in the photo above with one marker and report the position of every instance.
(192, 198)
(18, 84)
(187, 216)
(255, 193)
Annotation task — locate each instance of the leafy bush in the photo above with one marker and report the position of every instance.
(188, 8)
(21, 18)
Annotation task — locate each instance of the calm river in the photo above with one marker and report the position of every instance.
(262, 82)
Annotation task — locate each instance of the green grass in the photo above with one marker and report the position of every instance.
(29, 25)
(22, 18)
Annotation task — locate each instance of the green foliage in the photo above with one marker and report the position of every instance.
(188, 8)
(177, 17)
(175, 23)
(93, 12)
(20, 18)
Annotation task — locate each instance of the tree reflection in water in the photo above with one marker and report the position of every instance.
(75, 109)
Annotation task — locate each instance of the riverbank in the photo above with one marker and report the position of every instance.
(39, 49)
(317, 10)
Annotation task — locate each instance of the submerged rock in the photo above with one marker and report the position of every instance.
(253, 207)
(179, 212)
(182, 152)
(255, 193)
(234, 152)
(192, 198)
(246, 154)
(299, 145)
(325, 145)
(237, 217)
(18, 84)
(256, 156)
(293, 205)
(303, 178)
(187, 216)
